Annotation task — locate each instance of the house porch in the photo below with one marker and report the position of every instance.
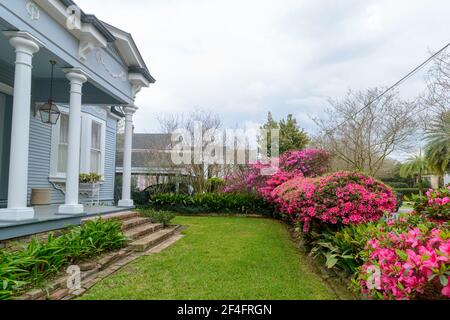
(46, 218)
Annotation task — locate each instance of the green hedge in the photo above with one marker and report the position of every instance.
(212, 203)
(408, 192)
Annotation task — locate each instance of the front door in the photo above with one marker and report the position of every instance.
(5, 138)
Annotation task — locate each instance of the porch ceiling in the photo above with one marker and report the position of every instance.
(93, 94)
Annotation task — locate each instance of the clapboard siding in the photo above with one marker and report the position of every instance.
(6, 73)
(40, 153)
(5, 139)
(110, 164)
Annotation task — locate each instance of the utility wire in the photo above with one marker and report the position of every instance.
(406, 77)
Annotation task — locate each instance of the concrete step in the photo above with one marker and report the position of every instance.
(142, 231)
(153, 239)
(119, 216)
(134, 222)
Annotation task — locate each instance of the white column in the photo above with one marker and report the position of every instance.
(25, 45)
(127, 152)
(72, 206)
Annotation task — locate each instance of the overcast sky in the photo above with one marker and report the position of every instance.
(243, 58)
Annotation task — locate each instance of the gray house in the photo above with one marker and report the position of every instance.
(151, 160)
(55, 125)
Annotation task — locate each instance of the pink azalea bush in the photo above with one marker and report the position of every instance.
(308, 162)
(436, 205)
(413, 264)
(340, 198)
(262, 178)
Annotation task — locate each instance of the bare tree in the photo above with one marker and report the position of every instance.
(209, 122)
(363, 134)
(437, 97)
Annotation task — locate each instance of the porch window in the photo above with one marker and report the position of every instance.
(92, 147)
(96, 147)
(63, 143)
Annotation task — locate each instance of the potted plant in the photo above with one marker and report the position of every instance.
(90, 183)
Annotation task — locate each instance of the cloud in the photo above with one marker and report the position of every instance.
(242, 59)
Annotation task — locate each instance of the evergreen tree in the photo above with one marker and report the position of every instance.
(265, 141)
(292, 137)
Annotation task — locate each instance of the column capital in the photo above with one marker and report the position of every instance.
(76, 75)
(24, 41)
(130, 109)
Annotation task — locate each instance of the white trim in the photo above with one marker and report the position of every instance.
(127, 49)
(85, 147)
(88, 35)
(85, 157)
(4, 88)
(54, 175)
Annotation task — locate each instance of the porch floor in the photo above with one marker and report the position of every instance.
(46, 218)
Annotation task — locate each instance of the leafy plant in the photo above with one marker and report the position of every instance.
(163, 217)
(39, 260)
(90, 177)
(215, 184)
(343, 249)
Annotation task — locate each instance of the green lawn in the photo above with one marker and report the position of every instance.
(219, 258)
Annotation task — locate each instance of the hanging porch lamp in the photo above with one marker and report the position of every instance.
(49, 112)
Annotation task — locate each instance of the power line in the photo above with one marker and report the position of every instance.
(406, 77)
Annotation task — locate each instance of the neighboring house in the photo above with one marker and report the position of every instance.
(151, 162)
(434, 180)
(98, 73)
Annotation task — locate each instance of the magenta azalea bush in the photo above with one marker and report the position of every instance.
(436, 204)
(262, 178)
(308, 162)
(340, 198)
(414, 264)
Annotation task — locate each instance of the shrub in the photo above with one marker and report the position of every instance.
(308, 162)
(163, 217)
(345, 248)
(140, 198)
(407, 192)
(341, 198)
(212, 203)
(413, 264)
(257, 177)
(215, 184)
(436, 204)
(38, 260)
(397, 185)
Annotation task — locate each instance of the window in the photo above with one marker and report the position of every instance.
(96, 147)
(63, 143)
(92, 146)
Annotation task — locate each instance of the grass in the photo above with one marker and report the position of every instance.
(220, 258)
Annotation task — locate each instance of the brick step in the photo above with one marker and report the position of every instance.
(153, 239)
(134, 222)
(120, 216)
(142, 231)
